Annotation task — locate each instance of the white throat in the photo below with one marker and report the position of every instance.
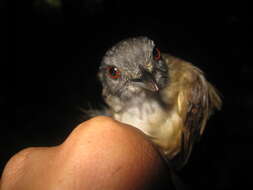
(141, 112)
(161, 123)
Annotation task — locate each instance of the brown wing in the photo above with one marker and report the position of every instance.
(197, 99)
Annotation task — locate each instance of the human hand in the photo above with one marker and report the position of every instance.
(100, 153)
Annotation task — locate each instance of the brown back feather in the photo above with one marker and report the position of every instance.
(196, 100)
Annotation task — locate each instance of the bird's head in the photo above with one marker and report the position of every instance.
(133, 66)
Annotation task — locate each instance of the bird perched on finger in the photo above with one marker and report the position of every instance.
(167, 98)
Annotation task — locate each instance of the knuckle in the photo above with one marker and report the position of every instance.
(15, 166)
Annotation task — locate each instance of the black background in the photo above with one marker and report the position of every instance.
(58, 51)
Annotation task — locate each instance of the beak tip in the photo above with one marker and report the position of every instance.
(147, 82)
(156, 88)
(152, 86)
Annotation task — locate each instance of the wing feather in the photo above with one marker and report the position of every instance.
(196, 99)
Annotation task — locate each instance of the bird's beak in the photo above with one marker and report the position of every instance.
(146, 81)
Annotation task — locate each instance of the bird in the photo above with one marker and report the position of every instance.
(167, 98)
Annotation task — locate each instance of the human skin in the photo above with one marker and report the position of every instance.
(100, 153)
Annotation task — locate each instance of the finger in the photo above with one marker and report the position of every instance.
(99, 154)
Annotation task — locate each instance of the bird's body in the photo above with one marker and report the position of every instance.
(155, 117)
(167, 98)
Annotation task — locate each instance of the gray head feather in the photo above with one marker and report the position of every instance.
(132, 58)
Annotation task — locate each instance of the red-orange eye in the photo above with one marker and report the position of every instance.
(156, 54)
(113, 72)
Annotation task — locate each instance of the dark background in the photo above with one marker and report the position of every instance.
(58, 51)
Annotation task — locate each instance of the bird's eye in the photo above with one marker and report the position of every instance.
(113, 72)
(156, 54)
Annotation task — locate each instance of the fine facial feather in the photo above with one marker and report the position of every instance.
(168, 98)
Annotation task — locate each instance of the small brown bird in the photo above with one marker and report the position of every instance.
(167, 98)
